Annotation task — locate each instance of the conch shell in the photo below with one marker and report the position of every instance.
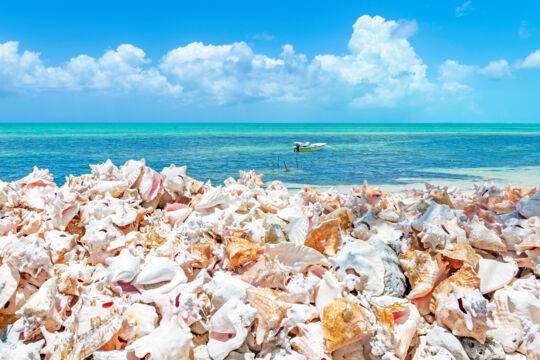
(459, 305)
(240, 251)
(271, 309)
(423, 271)
(169, 341)
(343, 322)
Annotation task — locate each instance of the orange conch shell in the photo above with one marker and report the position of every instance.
(343, 322)
(240, 251)
(462, 253)
(326, 237)
(271, 309)
(423, 270)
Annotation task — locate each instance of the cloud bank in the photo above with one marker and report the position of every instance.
(380, 69)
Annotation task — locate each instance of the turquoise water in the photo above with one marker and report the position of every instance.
(382, 154)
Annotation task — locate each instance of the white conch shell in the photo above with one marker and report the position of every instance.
(9, 280)
(232, 318)
(123, 267)
(214, 197)
(124, 215)
(310, 341)
(405, 323)
(143, 318)
(483, 238)
(174, 178)
(131, 171)
(149, 184)
(366, 261)
(296, 256)
(297, 229)
(29, 254)
(169, 341)
(529, 206)
(100, 234)
(113, 187)
(495, 274)
(59, 242)
(329, 289)
(441, 337)
(435, 214)
(21, 351)
(160, 269)
(105, 171)
(41, 305)
(224, 287)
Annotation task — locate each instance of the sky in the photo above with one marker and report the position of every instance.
(279, 61)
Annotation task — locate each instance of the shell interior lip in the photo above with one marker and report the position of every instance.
(128, 261)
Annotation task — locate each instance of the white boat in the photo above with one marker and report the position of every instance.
(306, 146)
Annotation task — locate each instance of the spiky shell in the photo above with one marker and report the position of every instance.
(458, 304)
(462, 253)
(343, 322)
(423, 270)
(271, 309)
(240, 251)
(299, 257)
(325, 237)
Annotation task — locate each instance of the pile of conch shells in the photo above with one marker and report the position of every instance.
(129, 263)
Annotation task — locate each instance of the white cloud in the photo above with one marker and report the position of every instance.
(382, 64)
(453, 75)
(233, 73)
(264, 36)
(381, 68)
(532, 61)
(119, 69)
(464, 8)
(496, 69)
(522, 31)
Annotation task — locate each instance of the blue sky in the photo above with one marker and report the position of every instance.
(362, 61)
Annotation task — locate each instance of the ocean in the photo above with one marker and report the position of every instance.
(391, 155)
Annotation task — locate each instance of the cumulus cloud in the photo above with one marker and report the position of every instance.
(453, 75)
(381, 59)
(120, 69)
(532, 61)
(496, 69)
(380, 69)
(464, 8)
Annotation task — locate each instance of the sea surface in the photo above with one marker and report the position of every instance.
(387, 155)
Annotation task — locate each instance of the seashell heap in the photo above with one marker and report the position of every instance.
(129, 263)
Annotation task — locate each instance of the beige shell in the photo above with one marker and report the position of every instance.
(241, 251)
(271, 309)
(458, 304)
(462, 253)
(9, 282)
(423, 271)
(266, 272)
(343, 322)
(310, 341)
(325, 237)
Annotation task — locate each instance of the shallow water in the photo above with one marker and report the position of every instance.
(387, 154)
